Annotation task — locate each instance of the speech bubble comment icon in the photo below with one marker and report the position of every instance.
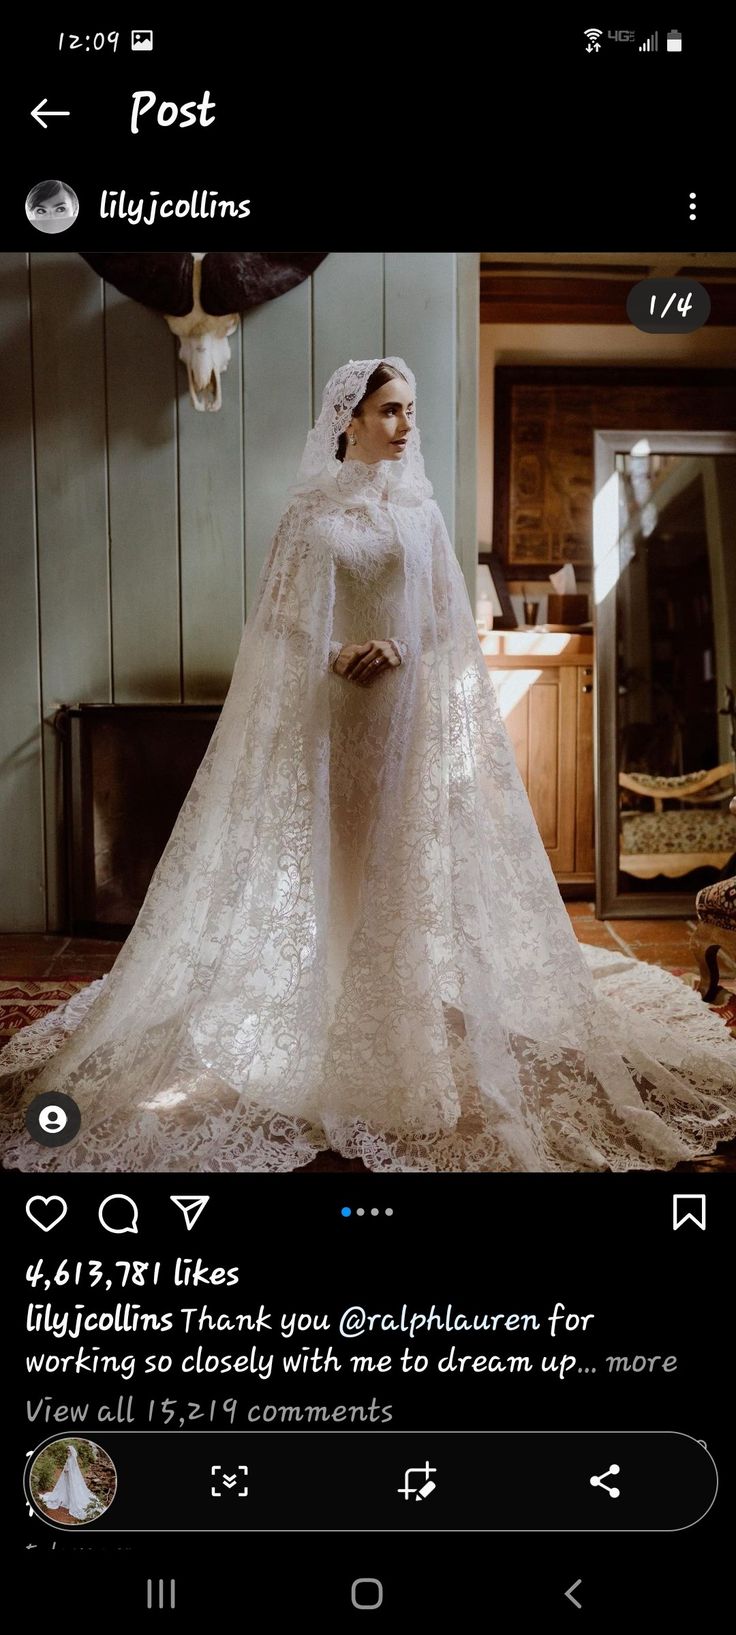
(115, 1216)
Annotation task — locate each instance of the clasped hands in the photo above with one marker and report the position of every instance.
(362, 662)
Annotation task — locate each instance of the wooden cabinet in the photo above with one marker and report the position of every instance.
(544, 685)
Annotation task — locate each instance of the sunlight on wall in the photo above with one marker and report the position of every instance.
(605, 539)
(511, 685)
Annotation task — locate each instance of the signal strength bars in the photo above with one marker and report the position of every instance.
(652, 44)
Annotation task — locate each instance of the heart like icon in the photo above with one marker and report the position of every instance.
(54, 1202)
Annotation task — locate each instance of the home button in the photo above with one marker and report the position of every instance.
(366, 1594)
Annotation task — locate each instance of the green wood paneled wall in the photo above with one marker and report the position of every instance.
(133, 529)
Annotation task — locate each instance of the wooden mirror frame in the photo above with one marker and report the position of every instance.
(610, 901)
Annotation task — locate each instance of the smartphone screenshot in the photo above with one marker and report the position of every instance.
(368, 816)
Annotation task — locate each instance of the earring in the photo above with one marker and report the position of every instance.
(353, 442)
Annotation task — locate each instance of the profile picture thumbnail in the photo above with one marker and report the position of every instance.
(52, 206)
(73, 1481)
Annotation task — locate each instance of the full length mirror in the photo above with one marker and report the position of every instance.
(665, 590)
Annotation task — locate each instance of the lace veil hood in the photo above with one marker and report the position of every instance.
(320, 468)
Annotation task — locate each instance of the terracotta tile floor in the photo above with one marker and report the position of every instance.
(661, 942)
(35, 955)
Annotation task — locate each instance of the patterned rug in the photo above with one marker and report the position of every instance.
(22, 1002)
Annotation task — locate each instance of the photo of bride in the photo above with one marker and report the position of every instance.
(353, 942)
(73, 1481)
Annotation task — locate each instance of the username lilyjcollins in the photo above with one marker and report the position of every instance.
(203, 205)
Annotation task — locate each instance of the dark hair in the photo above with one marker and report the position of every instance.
(46, 190)
(380, 377)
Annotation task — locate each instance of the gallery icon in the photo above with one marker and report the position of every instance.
(72, 1481)
(141, 39)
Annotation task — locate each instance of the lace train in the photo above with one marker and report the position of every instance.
(196, 1123)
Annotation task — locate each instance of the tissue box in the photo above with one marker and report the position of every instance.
(567, 609)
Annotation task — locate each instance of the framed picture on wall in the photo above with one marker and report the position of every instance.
(545, 418)
(507, 619)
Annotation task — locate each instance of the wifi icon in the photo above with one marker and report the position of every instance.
(593, 35)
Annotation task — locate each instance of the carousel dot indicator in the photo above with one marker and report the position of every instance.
(346, 1210)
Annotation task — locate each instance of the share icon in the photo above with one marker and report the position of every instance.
(597, 1481)
(190, 1206)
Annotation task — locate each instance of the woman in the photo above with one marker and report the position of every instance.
(354, 938)
(72, 1493)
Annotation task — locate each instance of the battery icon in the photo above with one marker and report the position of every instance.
(674, 40)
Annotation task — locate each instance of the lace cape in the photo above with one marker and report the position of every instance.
(354, 938)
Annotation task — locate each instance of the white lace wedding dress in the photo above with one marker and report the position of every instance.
(354, 939)
(72, 1493)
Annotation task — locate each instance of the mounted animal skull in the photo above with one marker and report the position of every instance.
(202, 296)
(203, 346)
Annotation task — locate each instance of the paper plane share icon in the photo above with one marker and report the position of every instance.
(191, 1207)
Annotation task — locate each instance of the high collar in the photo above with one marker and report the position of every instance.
(377, 479)
(355, 482)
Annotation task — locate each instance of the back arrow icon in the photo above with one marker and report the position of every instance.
(48, 113)
(569, 1595)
